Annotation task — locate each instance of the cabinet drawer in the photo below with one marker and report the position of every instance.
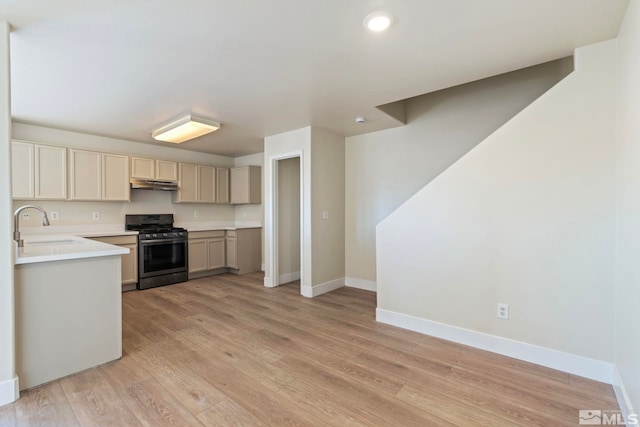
(205, 234)
(231, 233)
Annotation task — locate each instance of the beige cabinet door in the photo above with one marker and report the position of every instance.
(143, 168)
(166, 170)
(50, 172)
(115, 177)
(248, 250)
(188, 183)
(22, 173)
(198, 255)
(246, 185)
(85, 175)
(206, 184)
(216, 253)
(130, 265)
(222, 185)
(232, 252)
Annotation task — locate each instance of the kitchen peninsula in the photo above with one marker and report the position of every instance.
(68, 306)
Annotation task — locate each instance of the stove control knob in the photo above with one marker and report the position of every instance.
(155, 235)
(164, 235)
(181, 234)
(147, 236)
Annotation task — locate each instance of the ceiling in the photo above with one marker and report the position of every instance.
(122, 68)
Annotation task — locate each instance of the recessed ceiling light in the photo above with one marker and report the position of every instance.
(378, 21)
(184, 129)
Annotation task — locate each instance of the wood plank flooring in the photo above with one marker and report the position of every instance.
(225, 351)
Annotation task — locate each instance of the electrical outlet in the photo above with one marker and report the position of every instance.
(25, 216)
(96, 216)
(55, 215)
(325, 214)
(196, 214)
(503, 311)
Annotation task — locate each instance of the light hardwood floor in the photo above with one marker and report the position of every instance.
(225, 351)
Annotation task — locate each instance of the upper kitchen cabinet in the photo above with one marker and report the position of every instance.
(187, 184)
(145, 168)
(196, 184)
(38, 171)
(246, 185)
(206, 184)
(98, 176)
(115, 177)
(222, 185)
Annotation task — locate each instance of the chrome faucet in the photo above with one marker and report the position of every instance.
(16, 222)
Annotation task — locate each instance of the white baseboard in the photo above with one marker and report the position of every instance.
(323, 288)
(268, 282)
(367, 285)
(9, 391)
(567, 362)
(621, 395)
(289, 277)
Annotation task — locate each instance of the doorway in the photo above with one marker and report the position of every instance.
(288, 211)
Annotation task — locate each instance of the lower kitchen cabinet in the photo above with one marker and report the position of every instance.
(129, 261)
(236, 251)
(197, 255)
(244, 250)
(206, 251)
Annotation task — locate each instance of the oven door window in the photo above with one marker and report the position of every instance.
(165, 257)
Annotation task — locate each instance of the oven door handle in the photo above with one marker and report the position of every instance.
(163, 241)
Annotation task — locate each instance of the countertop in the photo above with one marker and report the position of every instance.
(213, 226)
(63, 242)
(60, 247)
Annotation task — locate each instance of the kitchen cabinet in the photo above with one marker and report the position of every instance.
(129, 263)
(244, 250)
(85, 175)
(145, 168)
(232, 249)
(246, 185)
(115, 177)
(197, 184)
(216, 251)
(222, 185)
(22, 172)
(187, 184)
(98, 176)
(206, 184)
(206, 251)
(38, 171)
(198, 260)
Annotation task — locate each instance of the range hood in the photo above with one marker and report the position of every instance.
(153, 184)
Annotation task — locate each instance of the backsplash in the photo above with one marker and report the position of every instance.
(142, 202)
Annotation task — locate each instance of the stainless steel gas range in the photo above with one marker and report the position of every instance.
(162, 250)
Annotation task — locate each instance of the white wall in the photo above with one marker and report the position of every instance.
(328, 193)
(322, 168)
(525, 218)
(296, 143)
(384, 169)
(8, 380)
(627, 278)
(289, 219)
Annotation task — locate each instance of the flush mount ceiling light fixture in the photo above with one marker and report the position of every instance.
(184, 129)
(378, 21)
